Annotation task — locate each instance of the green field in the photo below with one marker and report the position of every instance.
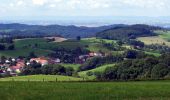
(164, 34)
(24, 46)
(162, 38)
(41, 78)
(95, 44)
(74, 66)
(98, 69)
(95, 40)
(156, 90)
(24, 52)
(153, 53)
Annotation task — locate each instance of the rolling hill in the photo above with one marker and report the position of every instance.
(16, 29)
(127, 32)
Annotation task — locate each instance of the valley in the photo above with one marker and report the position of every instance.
(113, 61)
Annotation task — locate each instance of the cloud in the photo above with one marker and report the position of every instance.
(156, 4)
(86, 7)
(20, 3)
(52, 5)
(39, 2)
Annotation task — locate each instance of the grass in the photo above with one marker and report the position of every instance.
(95, 44)
(156, 90)
(41, 78)
(24, 46)
(154, 40)
(153, 53)
(24, 52)
(163, 37)
(74, 66)
(164, 34)
(98, 69)
(95, 40)
(96, 47)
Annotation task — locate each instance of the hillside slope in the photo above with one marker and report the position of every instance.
(127, 32)
(39, 30)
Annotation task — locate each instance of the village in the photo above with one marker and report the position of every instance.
(14, 66)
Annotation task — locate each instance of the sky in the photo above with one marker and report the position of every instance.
(49, 9)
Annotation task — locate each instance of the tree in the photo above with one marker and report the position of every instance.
(120, 43)
(159, 71)
(110, 73)
(78, 38)
(3, 58)
(11, 47)
(47, 69)
(2, 47)
(131, 54)
(58, 70)
(32, 55)
(69, 71)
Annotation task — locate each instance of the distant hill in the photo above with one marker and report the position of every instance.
(16, 29)
(127, 32)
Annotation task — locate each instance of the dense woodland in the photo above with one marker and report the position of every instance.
(144, 68)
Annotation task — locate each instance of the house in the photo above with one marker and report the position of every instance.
(54, 61)
(81, 59)
(17, 68)
(94, 54)
(13, 59)
(43, 61)
(7, 61)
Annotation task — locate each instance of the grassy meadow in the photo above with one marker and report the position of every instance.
(74, 66)
(41, 78)
(84, 74)
(148, 90)
(40, 46)
(164, 34)
(163, 37)
(154, 40)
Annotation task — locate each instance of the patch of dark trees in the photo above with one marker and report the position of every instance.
(147, 67)
(5, 47)
(156, 47)
(98, 61)
(68, 55)
(36, 68)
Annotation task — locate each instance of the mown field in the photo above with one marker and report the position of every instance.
(154, 40)
(164, 34)
(153, 90)
(53, 78)
(163, 38)
(84, 74)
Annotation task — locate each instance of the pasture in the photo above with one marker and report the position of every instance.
(147, 90)
(154, 40)
(96, 44)
(74, 66)
(85, 75)
(57, 39)
(40, 46)
(164, 34)
(53, 78)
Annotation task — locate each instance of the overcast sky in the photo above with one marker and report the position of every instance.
(56, 8)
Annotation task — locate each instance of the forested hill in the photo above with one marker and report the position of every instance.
(39, 30)
(128, 32)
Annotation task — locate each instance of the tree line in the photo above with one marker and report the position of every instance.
(148, 67)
